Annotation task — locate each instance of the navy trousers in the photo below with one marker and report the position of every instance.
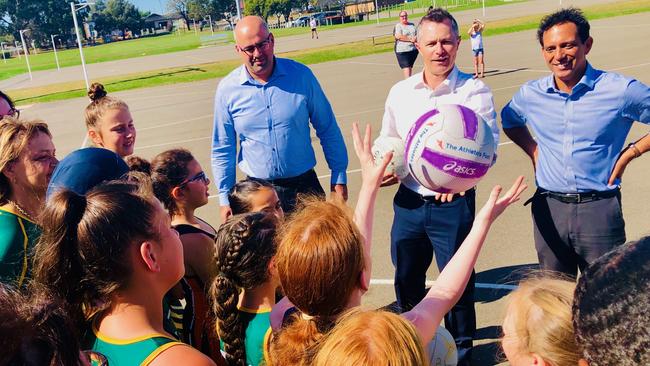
(422, 227)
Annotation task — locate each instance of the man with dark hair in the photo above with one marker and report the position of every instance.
(425, 221)
(581, 117)
(610, 308)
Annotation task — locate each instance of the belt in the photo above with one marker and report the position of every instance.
(580, 197)
(288, 181)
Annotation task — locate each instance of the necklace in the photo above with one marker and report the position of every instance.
(22, 211)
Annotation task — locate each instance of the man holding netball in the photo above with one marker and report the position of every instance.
(428, 222)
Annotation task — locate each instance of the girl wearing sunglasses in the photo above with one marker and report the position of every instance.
(181, 185)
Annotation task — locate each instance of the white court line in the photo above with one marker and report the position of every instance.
(492, 286)
(173, 123)
(631, 66)
(173, 142)
(358, 170)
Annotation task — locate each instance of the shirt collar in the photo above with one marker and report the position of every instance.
(588, 80)
(447, 86)
(279, 69)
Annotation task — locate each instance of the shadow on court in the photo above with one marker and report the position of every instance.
(509, 275)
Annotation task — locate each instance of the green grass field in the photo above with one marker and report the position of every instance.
(189, 40)
(312, 56)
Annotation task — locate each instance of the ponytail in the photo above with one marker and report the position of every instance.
(57, 263)
(296, 343)
(82, 254)
(244, 248)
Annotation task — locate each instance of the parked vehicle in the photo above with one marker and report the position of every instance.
(300, 22)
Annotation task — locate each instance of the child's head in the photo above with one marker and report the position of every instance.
(245, 247)
(179, 181)
(36, 330)
(251, 195)
(109, 122)
(537, 325)
(368, 338)
(610, 309)
(95, 247)
(320, 262)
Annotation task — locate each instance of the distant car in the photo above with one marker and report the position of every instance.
(333, 16)
(300, 22)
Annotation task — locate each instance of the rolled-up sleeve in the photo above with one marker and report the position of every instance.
(636, 104)
(224, 148)
(513, 114)
(328, 131)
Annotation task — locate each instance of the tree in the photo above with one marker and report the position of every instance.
(124, 15)
(180, 7)
(42, 18)
(258, 7)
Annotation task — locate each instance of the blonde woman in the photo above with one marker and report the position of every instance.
(537, 328)
(27, 160)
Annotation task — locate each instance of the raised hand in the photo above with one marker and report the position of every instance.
(371, 173)
(495, 205)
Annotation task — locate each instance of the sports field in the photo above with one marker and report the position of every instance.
(181, 116)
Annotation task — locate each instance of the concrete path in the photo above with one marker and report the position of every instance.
(283, 44)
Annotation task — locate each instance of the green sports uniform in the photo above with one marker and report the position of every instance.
(128, 352)
(17, 237)
(258, 330)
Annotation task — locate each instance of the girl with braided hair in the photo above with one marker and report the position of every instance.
(324, 266)
(112, 255)
(243, 292)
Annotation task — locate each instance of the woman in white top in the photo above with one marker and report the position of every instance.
(476, 38)
(405, 50)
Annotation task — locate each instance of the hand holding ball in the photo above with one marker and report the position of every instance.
(384, 145)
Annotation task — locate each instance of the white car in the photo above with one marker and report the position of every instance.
(300, 22)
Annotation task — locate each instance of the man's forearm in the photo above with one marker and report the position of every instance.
(522, 137)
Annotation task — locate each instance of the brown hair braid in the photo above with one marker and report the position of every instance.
(244, 248)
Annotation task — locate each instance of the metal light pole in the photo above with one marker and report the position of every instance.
(18, 50)
(210, 19)
(2, 47)
(56, 57)
(74, 9)
(22, 40)
(377, 10)
(238, 11)
(484, 10)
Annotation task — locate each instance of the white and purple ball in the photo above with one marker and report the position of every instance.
(384, 145)
(449, 149)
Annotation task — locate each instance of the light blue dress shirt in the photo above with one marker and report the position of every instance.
(271, 122)
(579, 135)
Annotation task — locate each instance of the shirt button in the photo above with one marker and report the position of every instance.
(268, 106)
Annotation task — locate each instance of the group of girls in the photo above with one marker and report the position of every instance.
(121, 262)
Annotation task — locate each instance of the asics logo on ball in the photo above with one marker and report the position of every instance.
(459, 168)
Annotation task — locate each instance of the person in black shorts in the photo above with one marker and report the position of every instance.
(405, 50)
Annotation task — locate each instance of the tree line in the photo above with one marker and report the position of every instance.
(43, 18)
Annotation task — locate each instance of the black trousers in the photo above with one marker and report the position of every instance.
(422, 227)
(289, 189)
(569, 236)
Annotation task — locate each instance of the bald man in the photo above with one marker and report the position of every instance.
(268, 104)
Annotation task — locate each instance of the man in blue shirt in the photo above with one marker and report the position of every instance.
(268, 104)
(581, 117)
